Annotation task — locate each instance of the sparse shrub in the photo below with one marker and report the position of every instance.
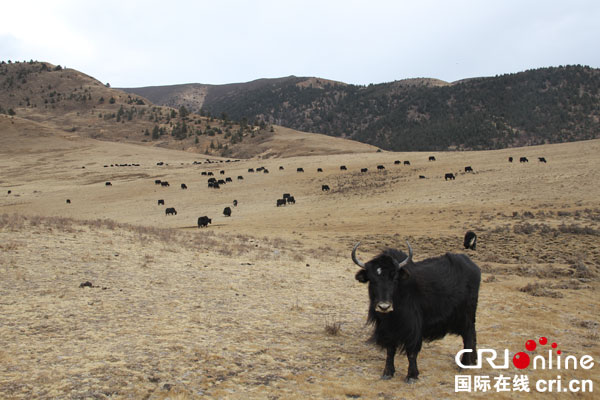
(578, 230)
(333, 328)
(581, 271)
(528, 214)
(525, 228)
(538, 290)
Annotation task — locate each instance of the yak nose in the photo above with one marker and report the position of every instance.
(384, 307)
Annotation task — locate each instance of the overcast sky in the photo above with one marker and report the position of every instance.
(147, 43)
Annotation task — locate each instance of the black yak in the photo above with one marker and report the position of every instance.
(170, 211)
(204, 221)
(470, 240)
(412, 302)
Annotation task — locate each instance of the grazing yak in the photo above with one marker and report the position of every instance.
(235, 202)
(281, 168)
(470, 240)
(412, 302)
(397, 162)
(299, 169)
(325, 188)
(108, 184)
(170, 211)
(68, 201)
(204, 221)
(523, 159)
(343, 168)
(161, 202)
(227, 211)
(183, 186)
(450, 176)
(380, 167)
(164, 184)
(468, 169)
(510, 159)
(542, 159)
(291, 200)
(240, 178)
(319, 169)
(406, 162)
(431, 158)
(364, 170)
(157, 181)
(281, 202)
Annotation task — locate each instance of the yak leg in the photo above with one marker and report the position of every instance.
(389, 369)
(413, 371)
(470, 342)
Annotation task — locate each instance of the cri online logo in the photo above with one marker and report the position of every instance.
(522, 360)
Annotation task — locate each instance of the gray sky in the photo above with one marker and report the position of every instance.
(146, 43)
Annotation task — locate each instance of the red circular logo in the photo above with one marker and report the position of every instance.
(530, 345)
(521, 360)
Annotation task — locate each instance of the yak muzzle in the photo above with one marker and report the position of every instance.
(384, 307)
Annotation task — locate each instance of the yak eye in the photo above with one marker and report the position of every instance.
(378, 271)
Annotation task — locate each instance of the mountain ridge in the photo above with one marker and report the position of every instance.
(545, 105)
(69, 101)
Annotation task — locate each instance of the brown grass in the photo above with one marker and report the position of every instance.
(240, 309)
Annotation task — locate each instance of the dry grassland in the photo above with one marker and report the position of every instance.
(264, 304)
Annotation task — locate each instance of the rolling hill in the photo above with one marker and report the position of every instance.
(66, 100)
(547, 105)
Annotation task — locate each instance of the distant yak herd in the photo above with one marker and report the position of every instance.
(286, 198)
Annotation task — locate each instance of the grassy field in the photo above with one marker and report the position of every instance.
(264, 304)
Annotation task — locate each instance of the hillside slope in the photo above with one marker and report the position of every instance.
(547, 105)
(66, 100)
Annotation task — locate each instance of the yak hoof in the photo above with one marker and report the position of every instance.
(411, 380)
(386, 377)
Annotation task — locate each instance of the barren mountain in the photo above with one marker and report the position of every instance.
(69, 101)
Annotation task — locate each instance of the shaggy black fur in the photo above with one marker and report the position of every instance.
(470, 240)
(430, 298)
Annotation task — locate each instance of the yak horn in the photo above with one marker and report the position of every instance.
(407, 260)
(356, 260)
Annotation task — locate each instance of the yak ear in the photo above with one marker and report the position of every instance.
(404, 273)
(361, 276)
